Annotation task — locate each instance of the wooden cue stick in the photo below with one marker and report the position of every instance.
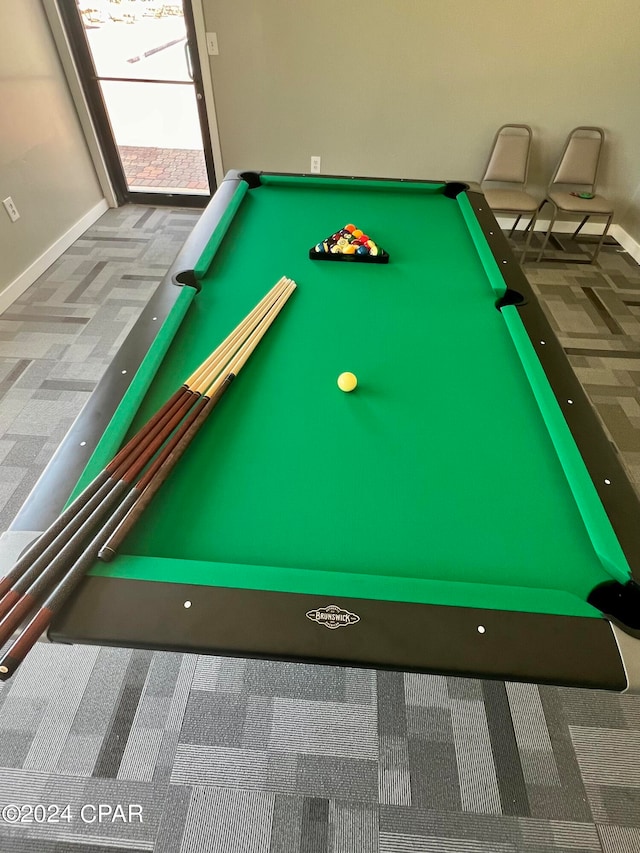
(117, 503)
(194, 384)
(69, 543)
(161, 467)
(21, 598)
(29, 636)
(70, 520)
(23, 595)
(266, 300)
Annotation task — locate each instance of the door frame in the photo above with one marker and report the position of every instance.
(100, 141)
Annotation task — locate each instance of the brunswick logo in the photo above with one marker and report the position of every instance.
(332, 616)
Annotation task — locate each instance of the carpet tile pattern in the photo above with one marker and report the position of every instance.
(195, 754)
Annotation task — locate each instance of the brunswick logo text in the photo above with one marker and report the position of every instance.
(333, 616)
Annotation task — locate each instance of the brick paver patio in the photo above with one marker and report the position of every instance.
(170, 168)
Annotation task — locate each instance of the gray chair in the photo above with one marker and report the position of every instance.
(576, 174)
(509, 164)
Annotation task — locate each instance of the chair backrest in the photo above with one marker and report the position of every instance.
(509, 158)
(581, 158)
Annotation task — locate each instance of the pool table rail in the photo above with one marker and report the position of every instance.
(600, 456)
(533, 647)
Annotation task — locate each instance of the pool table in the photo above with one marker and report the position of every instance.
(461, 512)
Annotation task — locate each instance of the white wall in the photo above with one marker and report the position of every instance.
(44, 162)
(630, 217)
(417, 88)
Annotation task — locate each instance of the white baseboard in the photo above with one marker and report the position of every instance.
(627, 242)
(18, 286)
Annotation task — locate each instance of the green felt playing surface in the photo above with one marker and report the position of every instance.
(436, 480)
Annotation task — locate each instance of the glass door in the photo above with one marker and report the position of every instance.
(139, 67)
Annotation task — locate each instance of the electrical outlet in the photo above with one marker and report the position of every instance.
(12, 210)
(315, 165)
(212, 44)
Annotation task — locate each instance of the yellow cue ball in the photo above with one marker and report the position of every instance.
(347, 382)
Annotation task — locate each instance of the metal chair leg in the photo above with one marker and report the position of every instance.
(530, 229)
(577, 231)
(601, 241)
(548, 234)
(514, 225)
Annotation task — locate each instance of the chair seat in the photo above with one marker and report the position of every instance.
(575, 204)
(516, 201)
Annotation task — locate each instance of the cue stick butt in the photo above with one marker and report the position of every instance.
(106, 554)
(149, 484)
(123, 454)
(40, 545)
(8, 602)
(153, 437)
(29, 636)
(148, 452)
(25, 642)
(27, 572)
(5, 586)
(11, 621)
(30, 589)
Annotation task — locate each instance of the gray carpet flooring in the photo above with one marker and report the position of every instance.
(240, 756)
